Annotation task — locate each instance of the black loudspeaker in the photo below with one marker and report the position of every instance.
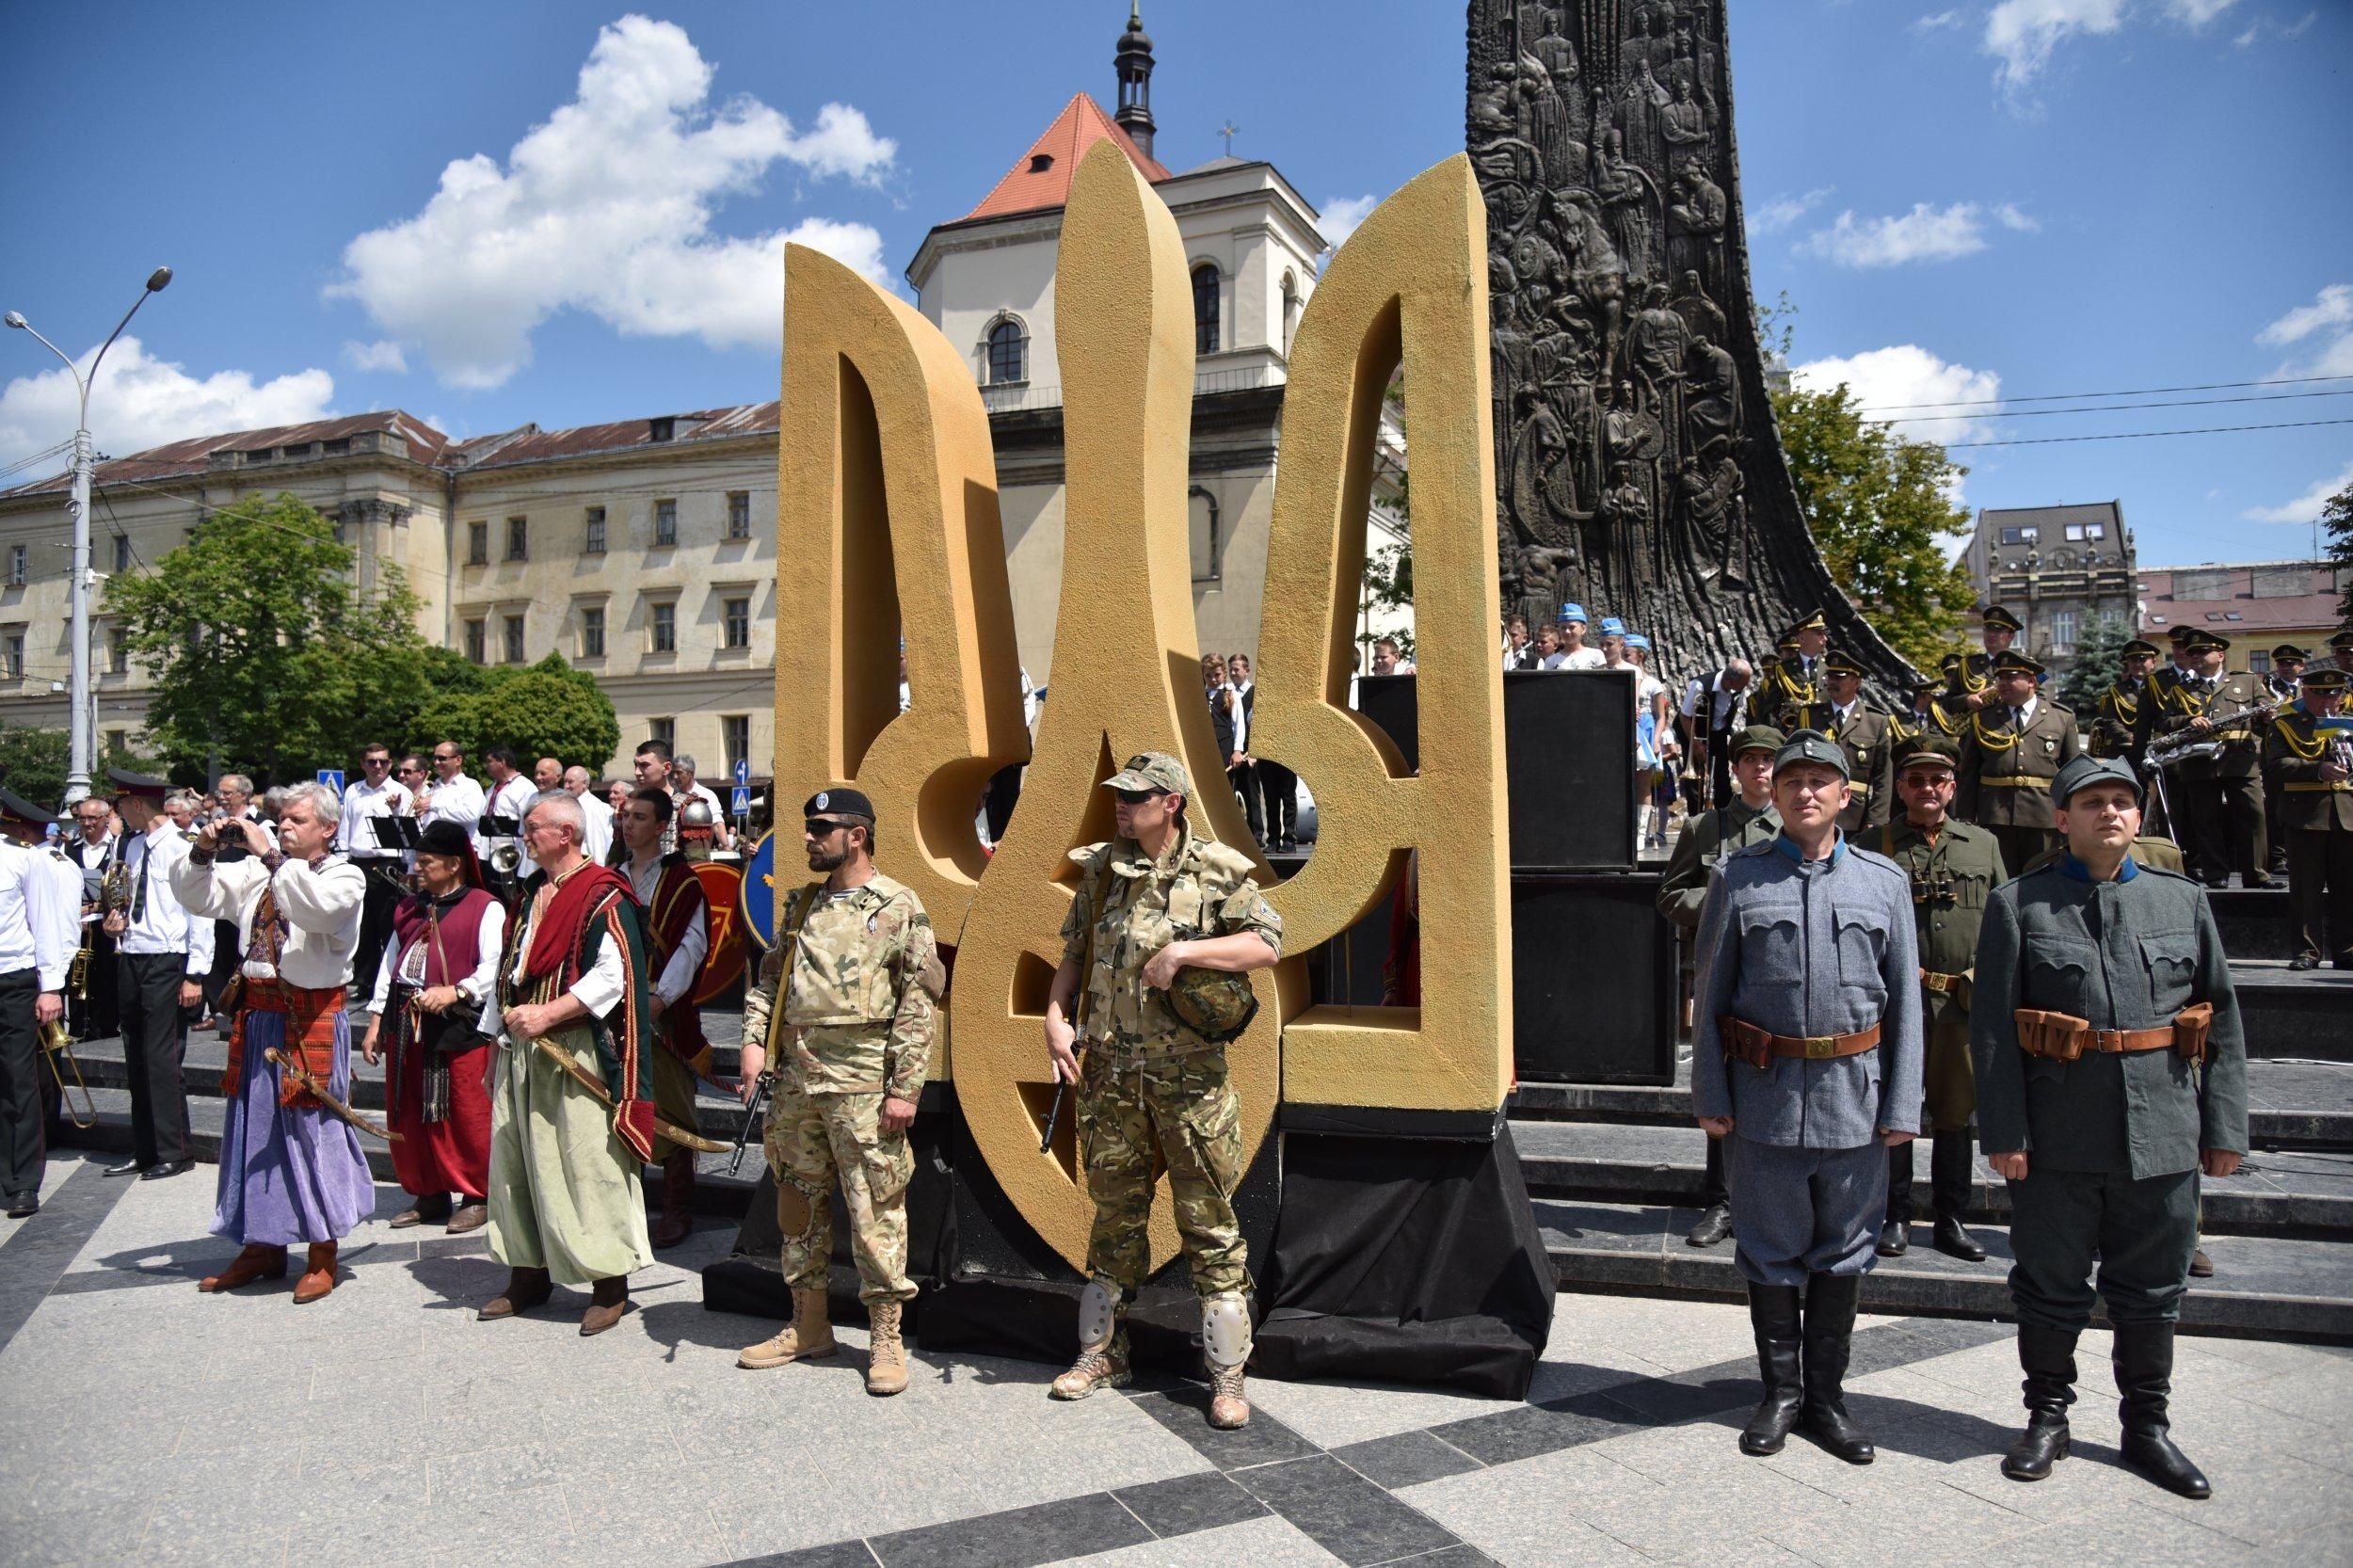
(1568, 743)
(1594, 980)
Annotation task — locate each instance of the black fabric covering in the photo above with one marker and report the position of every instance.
(1406, 1262)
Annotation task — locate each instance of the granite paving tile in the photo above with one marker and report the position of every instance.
(1184, 1504)
(1262, 1543)
(1343, 1513)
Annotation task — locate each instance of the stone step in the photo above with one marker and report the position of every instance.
(2263, 1286)
(2292, 1014)
(2256, 922)
(2284, 1193)
(2292, 1104)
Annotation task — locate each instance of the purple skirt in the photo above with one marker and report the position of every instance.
(289, 1175)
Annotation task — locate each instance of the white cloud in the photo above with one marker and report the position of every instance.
(2011, 217)
(2196, 13)
(2022, 33)
(1783, 211)
(1925, 234)
(2305, 507)
(1340, 214)
(608, 208)
(383, 353)
(1940, 21)
(2331, 307)
(1890, 385)
(143, 400)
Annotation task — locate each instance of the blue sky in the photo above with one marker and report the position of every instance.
(562, 214)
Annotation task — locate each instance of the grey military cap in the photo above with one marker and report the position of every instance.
(2088, 769)
(1812, 746)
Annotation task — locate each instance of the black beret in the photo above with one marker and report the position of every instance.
(848, 803)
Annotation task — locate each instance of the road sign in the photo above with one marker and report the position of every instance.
(740, 805)
(742, 772)
(333, 779)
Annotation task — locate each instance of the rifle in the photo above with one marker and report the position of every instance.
(1062, 1092)
(751, 1119)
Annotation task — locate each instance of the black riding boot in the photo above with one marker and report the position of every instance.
(2047, 1355)
(1952, 1172)
(1774, 1312)
(1895, 1230)
(2144, 1376)
(1830, 1309)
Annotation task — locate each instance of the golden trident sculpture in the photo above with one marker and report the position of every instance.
(887, 523)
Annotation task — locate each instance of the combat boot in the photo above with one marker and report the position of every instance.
(1830, 1301)
(807, 1338)
(1773, 1311)
(886, 1354)
(1102, 1345)
(1225, 1347)
(2047, 1356)
(2144, 1377)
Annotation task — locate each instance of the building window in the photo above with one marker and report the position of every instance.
(2259, 661)
(2028, 535)
(739, 514)
(665, 730)
(1205, 310)
(519, 538)
(12, 655)
(594, 543)
(339, 447)
(735, 738)
(514, 639)
(663, 619)
(2062, 630)
(1290, 310)
(117, 652)
(665, 524)
(592, 632)
(738, 619)
(1008, 352)
(18, 570)
(475, 634)
(118, 741)
(2080, 532)
(477, 544)
(1207, 550)
(123, 553)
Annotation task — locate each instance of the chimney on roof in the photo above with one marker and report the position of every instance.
(1133, 62)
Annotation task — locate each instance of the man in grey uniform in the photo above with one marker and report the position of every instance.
(1806, 1058)
(2112, 1072)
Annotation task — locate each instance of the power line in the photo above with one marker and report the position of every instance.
(2129, 391)
(2124, 407)
(2146, 435)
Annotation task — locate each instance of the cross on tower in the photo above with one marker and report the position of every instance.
(1229, 130)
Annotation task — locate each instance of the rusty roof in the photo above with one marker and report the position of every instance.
(1032, 185)
(177, 459)
(532, 445)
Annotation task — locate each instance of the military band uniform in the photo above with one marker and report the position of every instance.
(37, 938)
(2116, 722)
(1869, 739)
(1953, 875)
(2317, 816)
(2006, 765)
(1790, 695)
(858, 987)
(2113, 1136)
(95, 1011)
(2217, 801)
(162, 947)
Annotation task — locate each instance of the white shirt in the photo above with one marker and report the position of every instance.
(2026, 711)
(677, 976)
(361, 801)
(490, 940)
(460, 800)
(1583, 659)
(68, 877)
(38, 929)
(599, 990)
(598, 845)
(1721, 700)
(159, 922)
(1241, 715)
(321, 908)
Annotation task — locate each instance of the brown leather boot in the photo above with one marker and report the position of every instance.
(257, 1261)
(677, 1200)
(525, 1289)
(807, 1338)
(471, 1215)
(887, 1360)
(318, 1274)
(607, 1299)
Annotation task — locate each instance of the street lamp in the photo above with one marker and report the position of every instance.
(81, 729)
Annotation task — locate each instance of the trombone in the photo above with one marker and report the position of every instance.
(57, 1048)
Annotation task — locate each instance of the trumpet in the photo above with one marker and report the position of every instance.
(57, 1048)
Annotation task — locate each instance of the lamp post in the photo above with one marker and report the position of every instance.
(81, 729)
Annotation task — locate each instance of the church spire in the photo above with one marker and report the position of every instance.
(1133, 62)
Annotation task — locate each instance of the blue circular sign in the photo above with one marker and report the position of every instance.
(760, 892)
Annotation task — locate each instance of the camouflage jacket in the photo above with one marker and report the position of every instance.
(1200, 889)
(860, 985)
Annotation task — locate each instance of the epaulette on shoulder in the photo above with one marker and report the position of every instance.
(1087, 854)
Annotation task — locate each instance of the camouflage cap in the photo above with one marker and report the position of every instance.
(1151, 770)
(2088, 769)
(1812, 746)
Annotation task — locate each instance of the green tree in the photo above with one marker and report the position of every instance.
(267, 656)
(2336, 521)
(1881, 510)
(2099, 656)
(35, 764)
(547, 709)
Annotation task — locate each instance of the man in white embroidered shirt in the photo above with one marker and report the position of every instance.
(163, 954)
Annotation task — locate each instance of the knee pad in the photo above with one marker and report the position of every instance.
(796, 1209)
(1099, 1315)
(1226, 1328)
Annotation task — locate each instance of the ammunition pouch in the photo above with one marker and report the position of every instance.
(2191, 1026)
(2063, 1037)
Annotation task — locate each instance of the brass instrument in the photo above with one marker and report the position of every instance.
(2185, 744)
(506, 859)
(57, 1048)
(113, 895)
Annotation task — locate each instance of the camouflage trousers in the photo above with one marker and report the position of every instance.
(1135, 1120)
(815, 1141)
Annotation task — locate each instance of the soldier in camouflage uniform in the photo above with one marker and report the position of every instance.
(1152, 1093)
(856, 980)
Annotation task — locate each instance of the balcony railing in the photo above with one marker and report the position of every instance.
(1023, 396)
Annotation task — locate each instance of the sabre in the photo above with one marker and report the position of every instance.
(594, 1085)
(311, 1086)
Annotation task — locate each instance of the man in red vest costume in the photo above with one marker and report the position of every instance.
(678, 936)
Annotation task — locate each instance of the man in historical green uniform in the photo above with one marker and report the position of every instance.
(1748, 818)
(1152, 1093)
(1868, 737)
(2310, 748)
(855, 979)
(2010, 750)
(1954, 869)
(2112, 1072)
(1791, 694)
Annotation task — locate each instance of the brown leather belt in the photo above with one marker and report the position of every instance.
(1947, 983)
(2118, 1041)
(1756, 1046)
(2297, 787)
(2020, 781)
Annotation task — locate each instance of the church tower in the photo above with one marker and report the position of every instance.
(1133, 61)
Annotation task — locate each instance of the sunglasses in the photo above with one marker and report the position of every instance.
(1136, 797)
(375, 762)
(818, 827)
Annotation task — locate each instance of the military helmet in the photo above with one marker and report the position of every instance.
(1216, 1004)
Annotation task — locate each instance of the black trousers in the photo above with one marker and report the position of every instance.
(1720, 769)
(1279, 788)
(94, 1016)
(375, 924)
(2141, 1234)
(154, 1046)
(2320, 889)
(1951, 1173)
(23, 1145)
(1712, 1188)
(1246, 782)
(1005, 794)
(2222, 819)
